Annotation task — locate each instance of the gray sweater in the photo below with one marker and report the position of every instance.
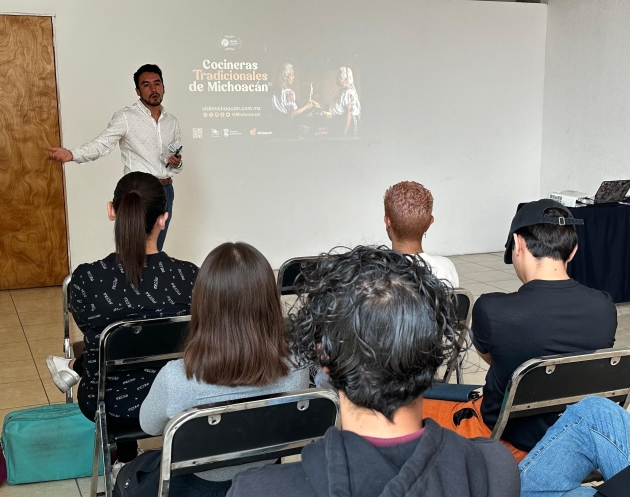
(172, 392)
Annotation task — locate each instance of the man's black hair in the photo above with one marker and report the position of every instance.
(550, 240)
(147, 68)
(378, 321)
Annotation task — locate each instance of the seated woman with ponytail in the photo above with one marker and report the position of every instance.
(135, 282)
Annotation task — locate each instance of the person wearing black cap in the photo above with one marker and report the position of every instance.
(550, 314)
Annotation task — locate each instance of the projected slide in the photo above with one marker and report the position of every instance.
(249, 88)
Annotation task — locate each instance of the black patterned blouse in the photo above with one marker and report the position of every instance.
(100, 296)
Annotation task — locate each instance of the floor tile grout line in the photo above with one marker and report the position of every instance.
(32, 356)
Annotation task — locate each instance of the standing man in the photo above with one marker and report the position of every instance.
(148, 136)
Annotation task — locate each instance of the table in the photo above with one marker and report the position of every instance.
(602, 260)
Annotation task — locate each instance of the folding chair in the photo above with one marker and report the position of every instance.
(464, 304)
(244, 431)
(289, 271)
(125, 346)
(550, 384)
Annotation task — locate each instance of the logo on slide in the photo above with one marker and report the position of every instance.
(230, 132)
(215, 133)
(255, 132)
(229, 42)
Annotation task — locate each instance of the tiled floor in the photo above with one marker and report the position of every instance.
(31, 328)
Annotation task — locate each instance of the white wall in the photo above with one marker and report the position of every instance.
(586, 124)
(456, 87)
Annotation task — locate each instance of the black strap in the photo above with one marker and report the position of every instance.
(562, 220)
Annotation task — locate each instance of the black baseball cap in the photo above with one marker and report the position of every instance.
(534, 213)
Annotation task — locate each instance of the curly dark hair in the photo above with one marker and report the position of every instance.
(378, 321)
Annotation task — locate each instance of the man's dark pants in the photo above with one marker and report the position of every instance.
(170, 196)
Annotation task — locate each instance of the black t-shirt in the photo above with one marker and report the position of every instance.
(542, 318)
(100, 296)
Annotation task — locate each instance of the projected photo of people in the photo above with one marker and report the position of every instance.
(285, 100)
(291, 118)
(346, 108)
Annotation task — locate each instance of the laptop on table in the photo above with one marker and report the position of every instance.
(612, 192)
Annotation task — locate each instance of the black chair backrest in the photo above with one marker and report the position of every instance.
(463, 311)
(289, 271)
(143, 343)
(246, 430)
(551, 383)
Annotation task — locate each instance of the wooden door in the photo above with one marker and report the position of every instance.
(33, 243)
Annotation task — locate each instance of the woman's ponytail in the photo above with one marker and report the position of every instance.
(139, 199)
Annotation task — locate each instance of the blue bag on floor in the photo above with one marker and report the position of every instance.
(48, 443)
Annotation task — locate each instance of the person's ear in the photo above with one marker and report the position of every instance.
(572, 255)
(137, 92)
(161, 221)
(431, 221)
(388, 223)
(111, 213)
(517, 248)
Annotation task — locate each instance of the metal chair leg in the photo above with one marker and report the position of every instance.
(107, 457)
(67, 352)
(459, 370)
(96, 456)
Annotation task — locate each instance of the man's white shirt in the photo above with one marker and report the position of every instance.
(143, 141)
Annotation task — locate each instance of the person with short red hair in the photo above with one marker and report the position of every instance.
(408, 216)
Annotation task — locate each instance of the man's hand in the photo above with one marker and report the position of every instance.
(175, 160)
(60, 154)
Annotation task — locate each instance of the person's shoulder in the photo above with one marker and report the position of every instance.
(595, 295)
(501, 467)
(297, 378)
(438, 259)
(491, 450)
(493, 299)
(173, 373)
(89, 268)
(178, 263)
(168, 115)
(272, 481)
(129, 108)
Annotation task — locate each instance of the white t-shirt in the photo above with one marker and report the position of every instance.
(442, 267)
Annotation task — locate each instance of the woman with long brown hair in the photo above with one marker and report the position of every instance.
(235, 349)
(135, 282)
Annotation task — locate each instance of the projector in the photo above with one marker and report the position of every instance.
(570, 198)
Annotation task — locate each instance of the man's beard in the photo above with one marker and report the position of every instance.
(151, 104)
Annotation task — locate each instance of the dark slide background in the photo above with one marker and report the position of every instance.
(317, 44)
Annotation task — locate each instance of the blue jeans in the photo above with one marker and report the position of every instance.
(170, 196)
(592, 434)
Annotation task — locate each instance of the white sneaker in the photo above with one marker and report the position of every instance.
(116, 467)
(62, 374)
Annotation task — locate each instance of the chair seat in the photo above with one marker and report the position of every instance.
(128, 434)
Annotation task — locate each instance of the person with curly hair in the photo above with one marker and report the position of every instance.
(380, 323)
(408, 216)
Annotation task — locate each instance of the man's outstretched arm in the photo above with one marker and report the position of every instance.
(102, 145)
